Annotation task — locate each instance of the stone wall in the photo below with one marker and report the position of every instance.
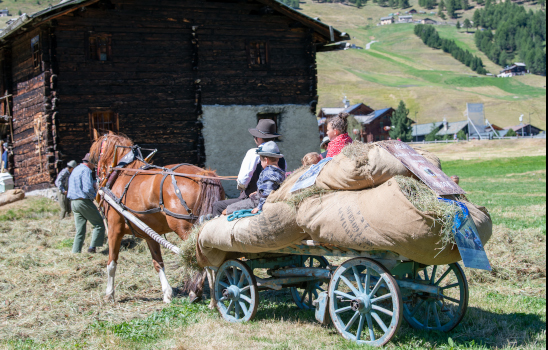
(227, 138)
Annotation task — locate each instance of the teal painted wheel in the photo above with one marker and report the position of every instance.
(304, 298)
(442, 312)
(365, 302)
(236, 292)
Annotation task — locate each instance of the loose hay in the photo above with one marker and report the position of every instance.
(296, 200)
(426, 200)
(189, 263)
(358, 152)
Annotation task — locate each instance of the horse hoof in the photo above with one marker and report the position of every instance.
(193, 298)
(168, 295)
(110, 298)
(212, 306)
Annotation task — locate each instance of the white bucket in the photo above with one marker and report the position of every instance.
(6, 182)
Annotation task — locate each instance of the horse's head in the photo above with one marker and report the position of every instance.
(103, 150)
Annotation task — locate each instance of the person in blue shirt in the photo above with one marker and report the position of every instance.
(270, 179)
(82, 193)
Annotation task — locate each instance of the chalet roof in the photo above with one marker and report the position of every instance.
(425, 129)
(387, 18)
(67, 6)
(519, 127)
(368, 119)
(336, 111)
(453, 128)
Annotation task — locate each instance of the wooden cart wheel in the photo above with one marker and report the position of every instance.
(443, 312)
(304, 298)
(365, 302)
(236, 292)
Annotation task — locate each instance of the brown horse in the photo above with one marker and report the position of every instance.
(143, 194)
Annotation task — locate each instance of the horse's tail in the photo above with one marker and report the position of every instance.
(211, 191)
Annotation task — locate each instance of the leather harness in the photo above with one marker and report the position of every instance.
(131, 157)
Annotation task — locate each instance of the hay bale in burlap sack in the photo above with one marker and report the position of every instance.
(275, 228)
(11, 196)
(365, 165)
(382, 219)
(283, 193)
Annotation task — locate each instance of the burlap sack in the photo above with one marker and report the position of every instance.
(275, 228)
(11, 196)
(372, 167)
(382, 219)
(283, 193)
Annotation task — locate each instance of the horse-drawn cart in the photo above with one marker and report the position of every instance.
(366, 297)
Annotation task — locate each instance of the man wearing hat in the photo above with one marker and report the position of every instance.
(62, 184)
(82, 193)
(270, 179)
(251, 166)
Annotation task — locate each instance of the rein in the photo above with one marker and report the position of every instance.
(170, 173)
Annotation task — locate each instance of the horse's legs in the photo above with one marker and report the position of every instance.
(159, 266)
(211, 278)
(115, 235)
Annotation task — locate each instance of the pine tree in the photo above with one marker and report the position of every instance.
(442, 6)
(433, 133)
(458, 25)
(467, 24)
(401, 124)
(465, 5)
(511, 133)
(451, 9)
(359, 4)
(477, 19)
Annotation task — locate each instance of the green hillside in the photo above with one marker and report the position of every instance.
(25, 6)
(400, 66)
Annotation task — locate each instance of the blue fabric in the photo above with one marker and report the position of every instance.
(62, 182)
(5, 159)
(270, 180)
(81, 184)
(461, 217)
(240, 214)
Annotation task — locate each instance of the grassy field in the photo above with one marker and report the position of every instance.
(52, 299)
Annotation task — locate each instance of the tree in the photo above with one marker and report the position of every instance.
(404, 4)
(353, 124)
(477, 19)
(461, 135)
(359, 4)
(442, 5)
(465, 5)
(503, 58)
(467, 24)
(451, 9)
(458, 25)
(432, 136)
(401, 124)
(511, 133)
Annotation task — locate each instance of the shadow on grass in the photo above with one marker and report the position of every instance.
(480, 329)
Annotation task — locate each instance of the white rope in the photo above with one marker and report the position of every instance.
(141, 225)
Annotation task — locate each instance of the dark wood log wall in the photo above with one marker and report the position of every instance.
(168, 58)
(33, 147)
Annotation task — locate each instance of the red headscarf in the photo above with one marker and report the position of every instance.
(336, 146)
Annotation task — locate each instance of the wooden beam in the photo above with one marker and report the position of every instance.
(67, 11)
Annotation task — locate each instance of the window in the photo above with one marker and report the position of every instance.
(102, 122)
(257, 53)
(36, 52)
(100, 47)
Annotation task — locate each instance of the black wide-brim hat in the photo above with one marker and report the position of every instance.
(266, 129)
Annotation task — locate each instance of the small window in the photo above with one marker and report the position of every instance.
(36, 52)
(257, 52)
(102, 122)
(100, 47)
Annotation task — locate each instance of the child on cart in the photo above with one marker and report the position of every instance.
(270, 180)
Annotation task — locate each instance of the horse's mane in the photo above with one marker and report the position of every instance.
(108, 143)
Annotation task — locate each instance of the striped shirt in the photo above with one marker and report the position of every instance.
(81, 184)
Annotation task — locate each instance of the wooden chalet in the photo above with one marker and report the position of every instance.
(326, 114)
(167, 73)
(374, 125)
